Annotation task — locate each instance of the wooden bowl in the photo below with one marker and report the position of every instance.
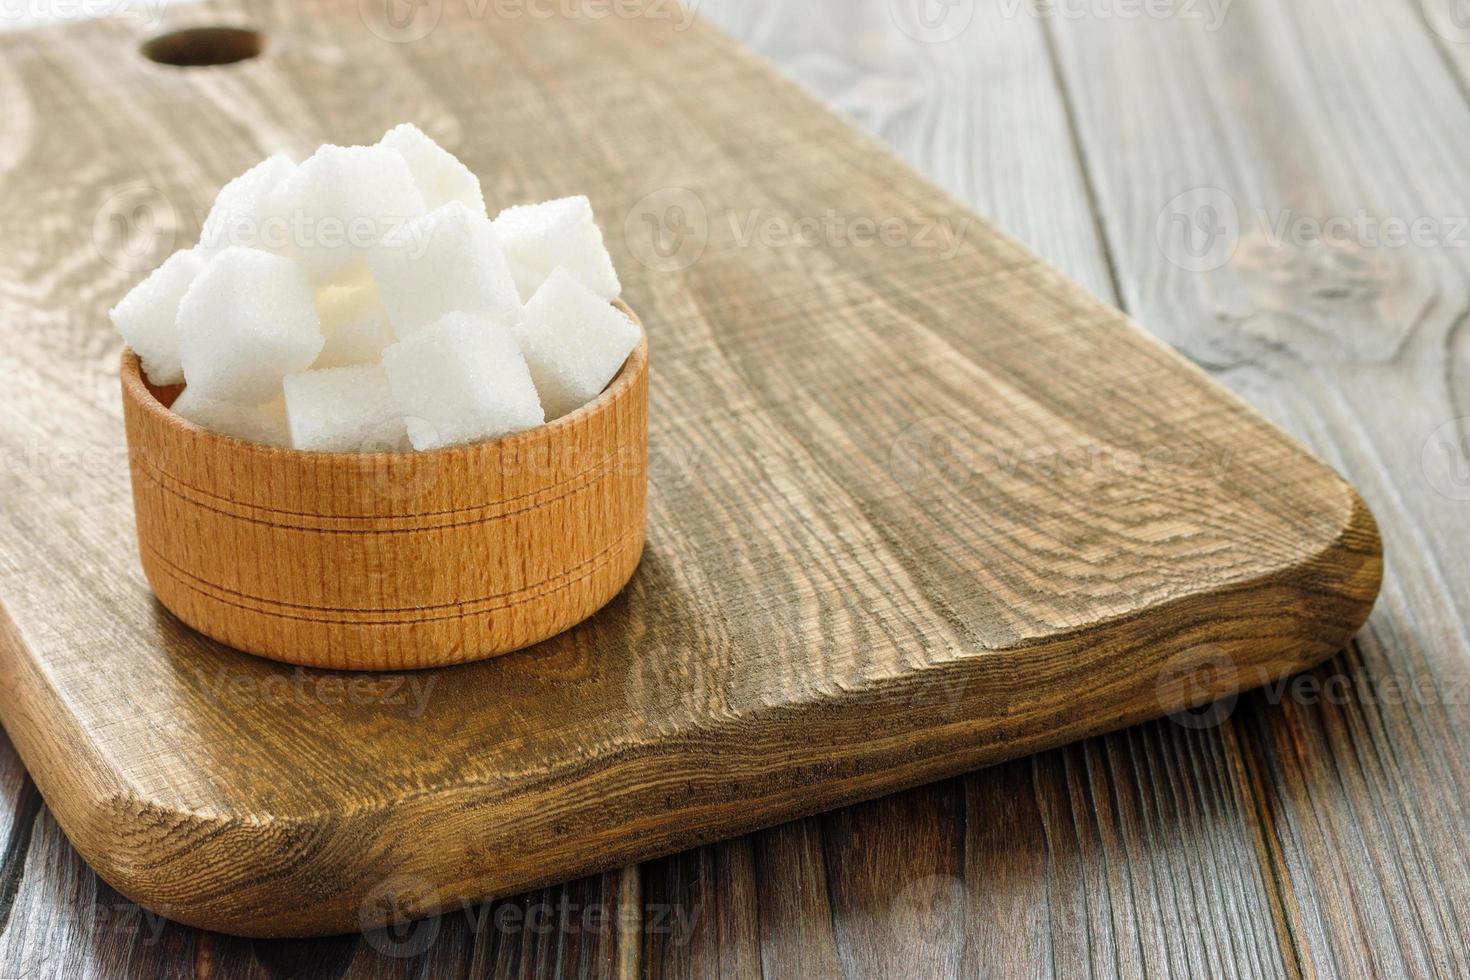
(390, 561)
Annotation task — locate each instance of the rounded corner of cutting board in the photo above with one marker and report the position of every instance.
(1359, 545)
(242, 876)
(1340, 573)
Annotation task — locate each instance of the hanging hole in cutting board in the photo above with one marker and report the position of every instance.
(200, 46)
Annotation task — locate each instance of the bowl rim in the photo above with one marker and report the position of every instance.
(136, 388)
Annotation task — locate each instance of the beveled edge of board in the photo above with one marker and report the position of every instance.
(669, 795)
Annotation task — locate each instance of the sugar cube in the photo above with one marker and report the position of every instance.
(247, 320)
(340, 202)
(253, 423)
(539, 237)
(574, 343)
(240, 215)
(147, 315)
(440, 177)
(446, 261)
(342, 410)
(363, 298)
(460, 380)
(354, 323)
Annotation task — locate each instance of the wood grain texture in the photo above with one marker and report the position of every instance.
(1356, 343)
(806, 585)
(1208, 811)
(1310, 796)
(390, 561)
(1174, 879)
(1327, 832)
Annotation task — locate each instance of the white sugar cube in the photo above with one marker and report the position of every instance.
(247, 321)
(253, 423)
(459, 380)
(448, 261)
(539, 237)
(342, 410)
(340, 202)
(574, 343)
(146, 316)
(354, 323)
(363, 298)
(439, 175)
(240, 214)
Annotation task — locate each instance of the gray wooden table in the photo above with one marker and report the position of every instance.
(1279, 188)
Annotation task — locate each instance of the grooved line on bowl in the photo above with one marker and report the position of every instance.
(591, 566)
(585, 477)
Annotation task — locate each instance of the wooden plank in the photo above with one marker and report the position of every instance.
(56, 917)
(962, 620)
(1104, 770)
(1354, 344)
(980, 115)
(1338, 905)
(60, 920)
(701, 915)
(983, 116)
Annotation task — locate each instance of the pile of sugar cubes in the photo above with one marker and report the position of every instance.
(363, 300)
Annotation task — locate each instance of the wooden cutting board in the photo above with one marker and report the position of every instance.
(918, 504)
